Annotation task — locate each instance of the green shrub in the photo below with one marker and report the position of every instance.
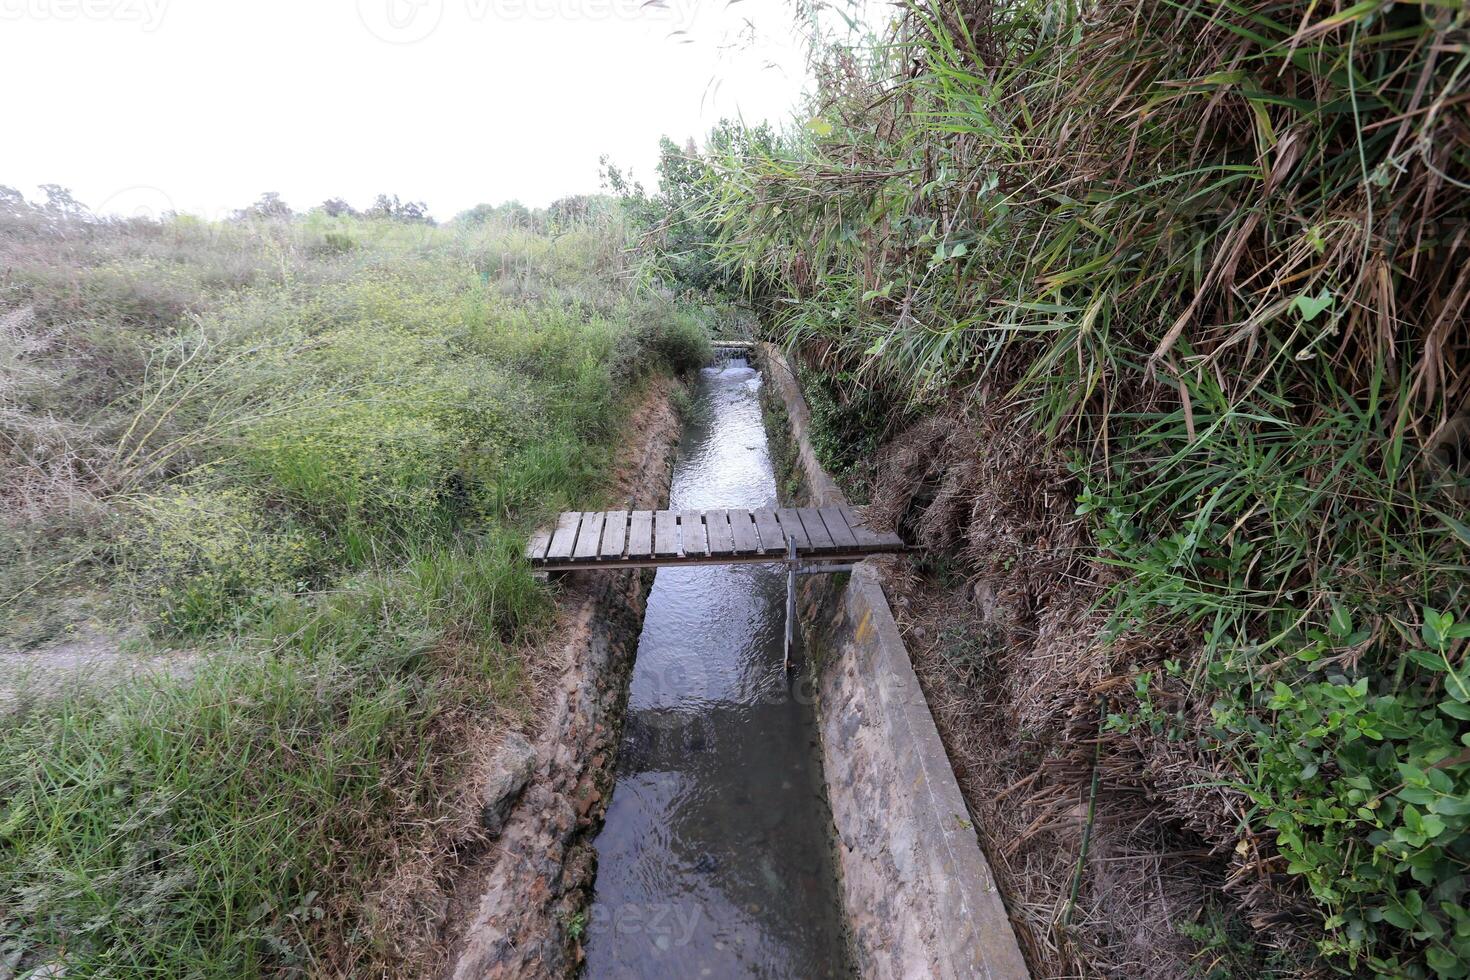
(1367, 791)
(336, 243)
(1187, 246)
(198, 555)
(321, 463)
(849, 423)
(673, 335)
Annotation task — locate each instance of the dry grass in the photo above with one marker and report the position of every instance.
(1014, 655)
(1181, 290)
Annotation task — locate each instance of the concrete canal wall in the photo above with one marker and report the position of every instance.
(917, 891)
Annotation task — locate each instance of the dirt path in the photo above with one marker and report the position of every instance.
(93, 658)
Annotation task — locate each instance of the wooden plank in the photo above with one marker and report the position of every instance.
(640, 534)
(691, 533)
(773, 542)
(589, 538)
(742, 528)
(565, 536)
(816, 531)
(842, 535)
(614, 534)
(536, 547)
(791, 527)
(717, 525)
(712, 535)
(681, 561)
(665, 534)
(867, 537)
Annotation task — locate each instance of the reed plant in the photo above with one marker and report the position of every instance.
(1214, 255)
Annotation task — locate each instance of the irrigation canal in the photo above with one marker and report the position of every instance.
(715, 857)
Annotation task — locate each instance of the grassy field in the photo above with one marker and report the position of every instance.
(304, 452)
(1159, 312)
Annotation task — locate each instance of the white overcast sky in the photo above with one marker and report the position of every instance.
(141, 106)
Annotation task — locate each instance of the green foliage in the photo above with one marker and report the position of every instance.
(1321, 749)
(849, 423)
(1202, 249)
(1227, 950)
(227, 823)
(1367, 788)
(195, 554)
(387, 207)
(576, 926)
(320, 463)
(678, 337)
(675, 227)
(336, 243)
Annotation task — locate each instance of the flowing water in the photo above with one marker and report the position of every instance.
(715, 858)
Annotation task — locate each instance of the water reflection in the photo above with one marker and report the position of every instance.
(714, 860)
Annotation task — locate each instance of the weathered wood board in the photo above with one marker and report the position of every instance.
(642, 538)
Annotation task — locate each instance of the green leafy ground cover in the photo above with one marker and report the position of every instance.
(307, 450)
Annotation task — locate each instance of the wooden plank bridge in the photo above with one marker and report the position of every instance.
(617, 539)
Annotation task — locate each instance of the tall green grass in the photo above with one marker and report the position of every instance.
(234, 822)
(307, 453)
(1214, 252)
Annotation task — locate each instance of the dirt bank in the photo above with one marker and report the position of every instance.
(1000, 618)
(515, 909)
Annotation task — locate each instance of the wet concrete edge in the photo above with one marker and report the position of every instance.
(918, 893)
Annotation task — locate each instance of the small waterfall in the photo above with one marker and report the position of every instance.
(729, 353)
